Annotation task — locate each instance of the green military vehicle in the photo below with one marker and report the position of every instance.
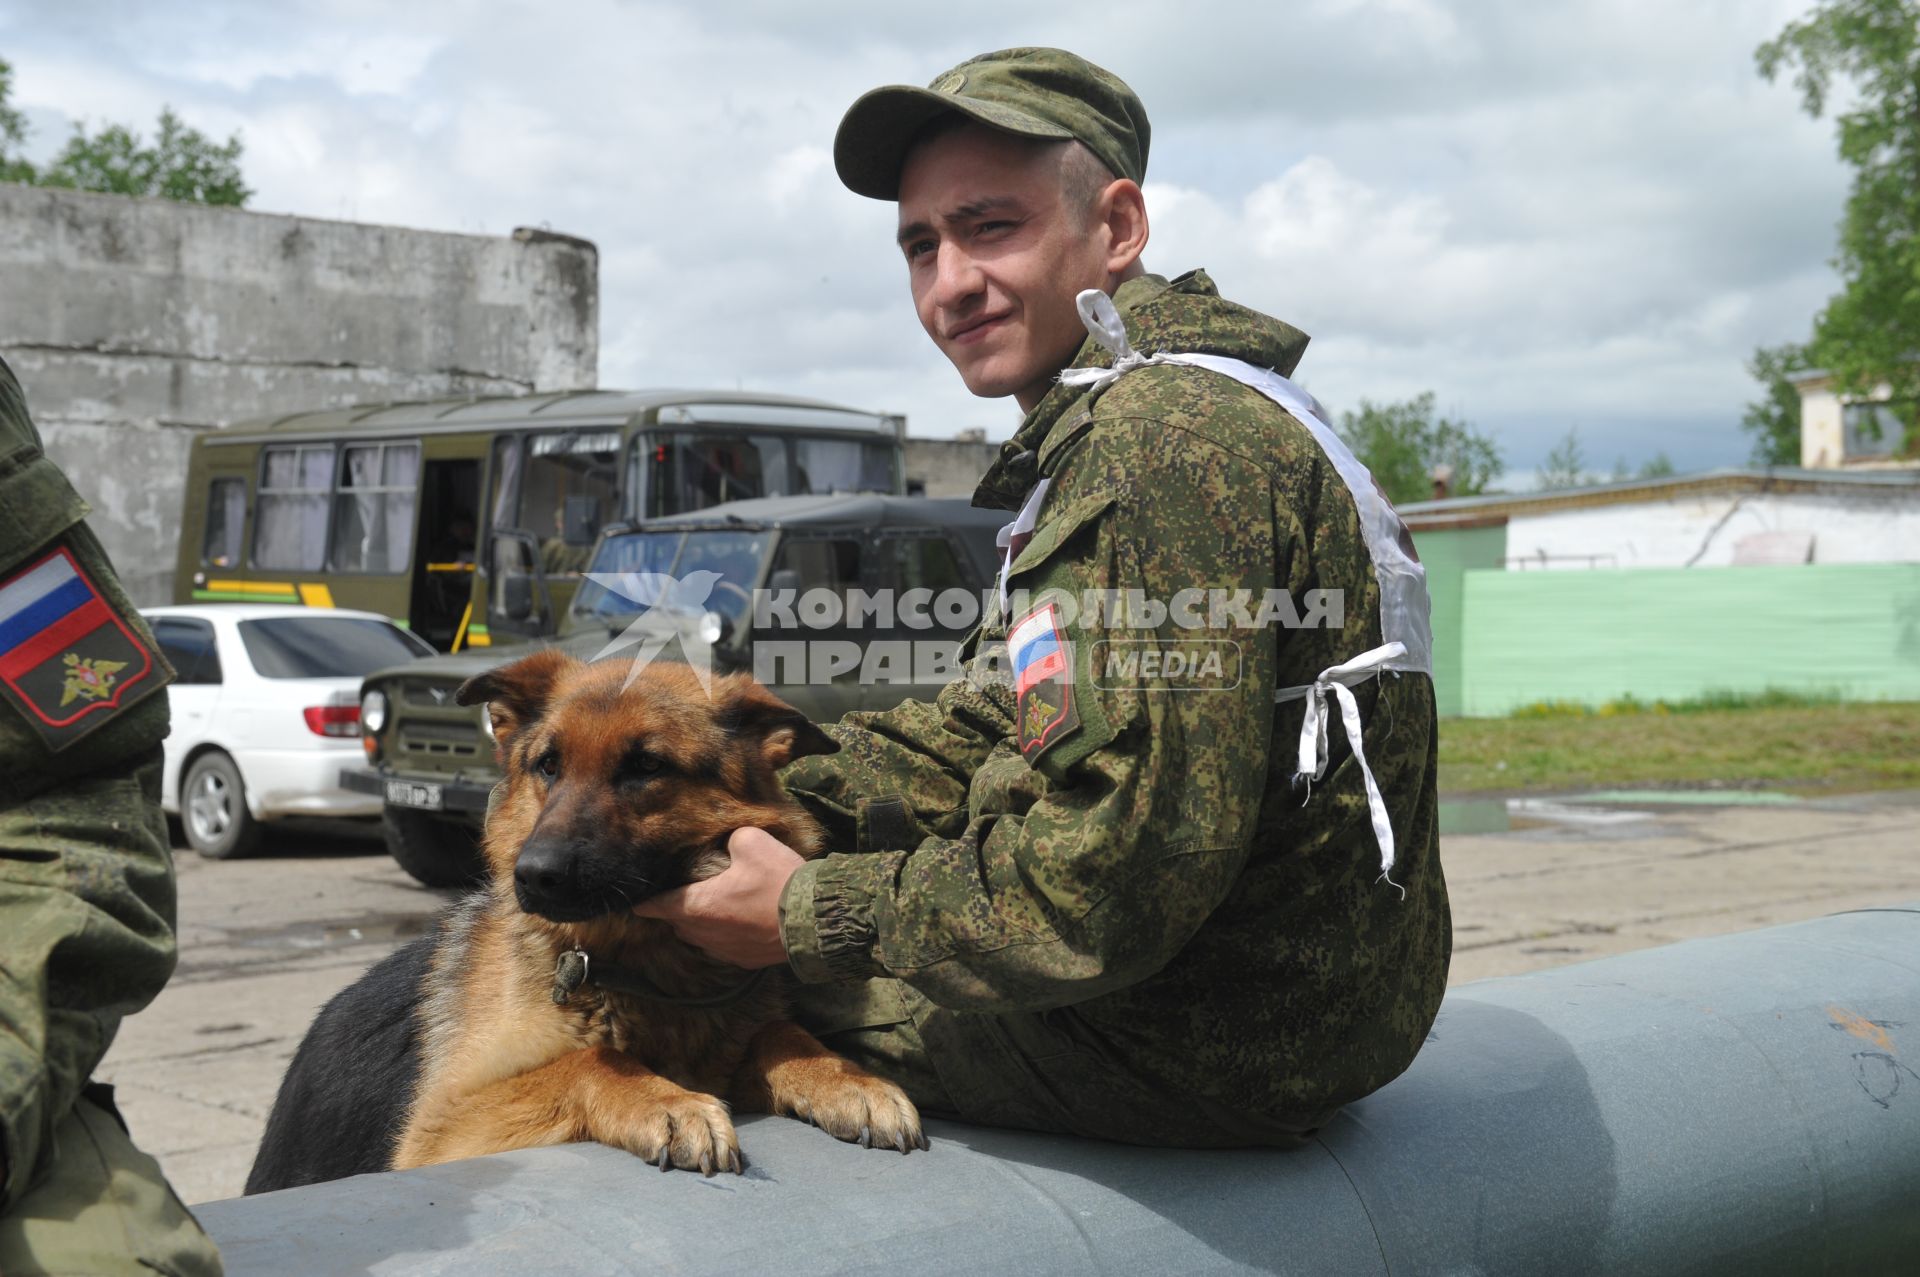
(837, 603)
(453, 516)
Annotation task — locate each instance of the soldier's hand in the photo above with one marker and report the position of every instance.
(735, 915)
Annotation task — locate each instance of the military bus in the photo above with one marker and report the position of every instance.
(468, 519)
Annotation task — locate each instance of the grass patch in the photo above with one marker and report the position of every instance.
(1772, 698)
(1809, 746)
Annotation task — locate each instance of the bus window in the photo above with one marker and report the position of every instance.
(539, 478)
(290, 528)
(692, 472)
(842, 465)
(226, 514)
(373, 507)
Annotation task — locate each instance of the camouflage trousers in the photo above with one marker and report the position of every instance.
(103, 1210)
(1033, 1071)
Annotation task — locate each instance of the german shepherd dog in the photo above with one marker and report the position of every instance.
(542, 1011)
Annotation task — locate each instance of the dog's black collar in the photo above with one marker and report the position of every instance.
(571, 970)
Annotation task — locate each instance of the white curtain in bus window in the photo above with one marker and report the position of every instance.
(290, 529)
(842, 465)
(373, 507)
(226, 512)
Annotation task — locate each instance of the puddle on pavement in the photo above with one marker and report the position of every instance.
(340, 933)
(1699, 797)
(1598, 809)
(1485, 816)
(1474, 816)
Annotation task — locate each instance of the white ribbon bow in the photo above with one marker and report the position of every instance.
(1312, 762)
(1105, 326)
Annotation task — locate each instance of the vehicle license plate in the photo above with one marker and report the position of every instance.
(410, 793)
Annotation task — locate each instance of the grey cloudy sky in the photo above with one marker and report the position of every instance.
(1578, 214)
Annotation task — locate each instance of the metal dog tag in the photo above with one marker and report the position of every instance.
(569, 973)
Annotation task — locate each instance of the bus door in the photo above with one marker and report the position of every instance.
(550, 494)
(441, 608)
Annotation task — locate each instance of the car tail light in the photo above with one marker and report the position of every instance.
(333, 720)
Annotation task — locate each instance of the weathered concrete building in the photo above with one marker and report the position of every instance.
(134, 323)
(948, 467)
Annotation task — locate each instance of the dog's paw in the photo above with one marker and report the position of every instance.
(862, 1109)
(693, 1132)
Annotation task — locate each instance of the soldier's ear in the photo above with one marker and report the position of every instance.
(516, 694)
(782, 732)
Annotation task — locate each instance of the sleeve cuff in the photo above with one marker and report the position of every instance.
(826, 920)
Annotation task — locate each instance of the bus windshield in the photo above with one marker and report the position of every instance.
(640, 570)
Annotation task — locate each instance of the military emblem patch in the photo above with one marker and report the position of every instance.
(90, 680)
(1042, 662)
(67, 659)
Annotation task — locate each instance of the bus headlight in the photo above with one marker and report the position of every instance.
(373, 712)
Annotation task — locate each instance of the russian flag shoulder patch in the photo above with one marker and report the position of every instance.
(1041, 656)
(68, 660)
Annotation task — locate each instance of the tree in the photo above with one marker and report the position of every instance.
(1869, 334)
(1566, 465)
(13, 133)
(1774, 422)
(182, 164)
(1401, 444)
(1659, 466)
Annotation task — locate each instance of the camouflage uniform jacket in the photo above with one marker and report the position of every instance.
(86, 883)
(1146, 859)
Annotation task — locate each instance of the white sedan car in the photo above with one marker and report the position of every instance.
(266, 710)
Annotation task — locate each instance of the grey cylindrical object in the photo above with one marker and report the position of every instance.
(1744, 1104)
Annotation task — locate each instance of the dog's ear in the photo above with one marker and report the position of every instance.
(515, 694)
(783, 732)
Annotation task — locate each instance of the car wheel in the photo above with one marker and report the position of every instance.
(439, 853)
(213, 809)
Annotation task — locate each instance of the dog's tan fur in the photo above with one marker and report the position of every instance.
(662, 772)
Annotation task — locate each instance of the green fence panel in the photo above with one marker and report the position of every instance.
(1852, 629)
(1448, 555)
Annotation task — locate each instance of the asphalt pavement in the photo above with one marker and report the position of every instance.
(264, 942)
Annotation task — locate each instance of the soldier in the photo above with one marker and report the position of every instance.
(86, 885)
(1096, 895)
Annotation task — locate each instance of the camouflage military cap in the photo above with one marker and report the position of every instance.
(1039, 93)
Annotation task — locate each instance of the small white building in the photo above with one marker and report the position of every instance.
(1718, 518)
(1846, 430)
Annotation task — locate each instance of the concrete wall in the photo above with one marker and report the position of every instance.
(1871, 526)
(1849, 629)
(949, 467)
(135, 323)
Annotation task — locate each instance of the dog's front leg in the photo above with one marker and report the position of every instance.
(595, 1094)
(790, 1072)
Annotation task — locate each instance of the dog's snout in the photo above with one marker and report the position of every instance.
(544, 868)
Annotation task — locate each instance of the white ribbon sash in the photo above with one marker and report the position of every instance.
(1404, 605)
(1011, 537)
